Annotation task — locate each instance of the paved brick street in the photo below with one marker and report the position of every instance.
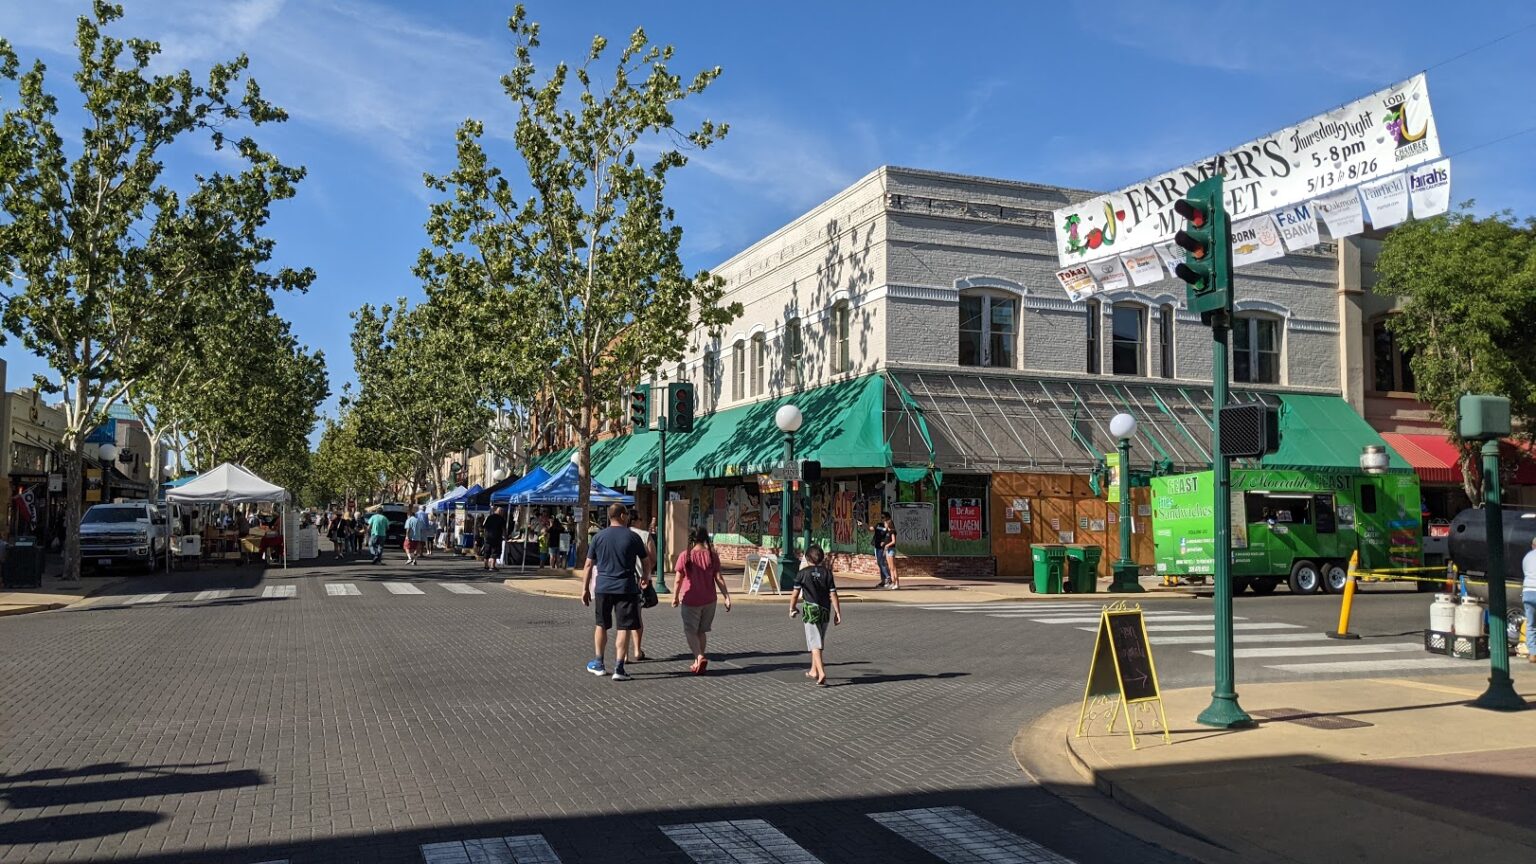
(323, 726)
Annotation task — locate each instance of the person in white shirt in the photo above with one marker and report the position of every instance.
(1528, 596)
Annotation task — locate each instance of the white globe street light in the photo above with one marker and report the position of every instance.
(788, 419)
(1122, 426)
(109, 452)
(501, 474)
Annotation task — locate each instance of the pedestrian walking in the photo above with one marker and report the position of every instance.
(378, 529)
(611, 584)
(492, 531)
(415, 535)
(698, 578)
(552, 532)
(1528, 598)
(815, 601)
(884, 537)
(637, 638)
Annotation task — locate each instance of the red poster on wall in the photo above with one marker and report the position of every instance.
(965, 518)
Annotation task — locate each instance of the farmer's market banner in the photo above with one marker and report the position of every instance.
(1365, 140)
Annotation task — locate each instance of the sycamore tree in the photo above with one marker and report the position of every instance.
(576, 269)
(97, 244)
(413, 396)
(1468, 292)
(344, 467)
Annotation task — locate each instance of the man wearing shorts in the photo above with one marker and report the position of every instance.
(612, 558)
(415, 535)
(815, 601)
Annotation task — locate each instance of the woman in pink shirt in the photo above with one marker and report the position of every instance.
(698, 575)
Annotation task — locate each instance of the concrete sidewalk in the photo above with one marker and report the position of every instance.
(1398, 770)
(55, 593)
(918, 590)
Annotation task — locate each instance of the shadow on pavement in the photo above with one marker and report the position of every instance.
(26, 797)
(80, 826)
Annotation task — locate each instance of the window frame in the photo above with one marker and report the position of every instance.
(1254, 352)
(1167, 326)
(759, 362)
(842, 325)
(739, 372)
(1141, 339)
(986, 335)
(1402, 383)
(1093, 338)
(708, 369)
(793, 347)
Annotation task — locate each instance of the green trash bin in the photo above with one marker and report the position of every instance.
(1083, 568)
(1050, 562)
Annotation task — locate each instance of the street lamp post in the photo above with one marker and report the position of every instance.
(788, 419)
(1127, 575)
(1500, 694)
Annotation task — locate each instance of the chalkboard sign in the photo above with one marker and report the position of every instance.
(1122, 672)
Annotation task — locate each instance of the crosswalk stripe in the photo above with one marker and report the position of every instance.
(139, 599)
(1041, 607)
(739, 840)
(402, 588)
(457, 588)
(211, 595)
(1383, 665)
(1322, 650)
(1184, 628)
(280, 591)
(1208, 638)
(955, 835)
(341, 589)
(1180, 616)
(523, 849)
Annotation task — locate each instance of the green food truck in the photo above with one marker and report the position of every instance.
(1296, 526)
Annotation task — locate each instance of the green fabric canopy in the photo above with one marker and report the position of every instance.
(1323, 432)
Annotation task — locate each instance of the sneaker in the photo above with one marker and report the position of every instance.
(620, 675)
(891, 587)
(596, 668)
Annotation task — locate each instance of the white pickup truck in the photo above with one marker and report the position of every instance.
(131, 533)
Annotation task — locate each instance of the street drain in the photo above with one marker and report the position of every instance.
(1310, 719)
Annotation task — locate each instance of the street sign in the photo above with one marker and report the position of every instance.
(1121, 674)
(787, 471)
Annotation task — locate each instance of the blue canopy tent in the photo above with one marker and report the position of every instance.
(563, 488)
(447, 501)
(533, 480)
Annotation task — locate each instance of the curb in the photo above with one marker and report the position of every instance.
(1044, 751)
(36, 607)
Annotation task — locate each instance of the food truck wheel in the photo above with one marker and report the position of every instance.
(1240, 584)
(1305, 578)
(1335, 577)
(1264, 585)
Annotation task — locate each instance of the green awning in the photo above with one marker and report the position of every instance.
(1323, 432)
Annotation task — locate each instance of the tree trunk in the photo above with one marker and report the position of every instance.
(74, 495)
(583, 476)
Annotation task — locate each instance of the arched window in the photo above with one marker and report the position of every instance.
(794, 350)
(1095, 346)
(1390, 361)
(708, 371)
(840, 357)
(989, 329)
(738, 370)
(1165, 339)
(1128, 339)
(1256, 349)
(759, 363)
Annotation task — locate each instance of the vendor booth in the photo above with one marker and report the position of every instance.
(232, 484)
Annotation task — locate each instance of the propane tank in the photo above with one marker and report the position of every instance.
(1469, 617)
(1442, 614)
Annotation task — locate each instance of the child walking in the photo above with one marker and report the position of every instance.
(815, 601)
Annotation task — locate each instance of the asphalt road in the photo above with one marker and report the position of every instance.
(247, 716)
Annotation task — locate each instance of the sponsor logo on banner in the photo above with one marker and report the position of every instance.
(1078, 281)
(1298, 227)
(1110, 274)
(1255, 240)
(1172, 257)
(1386, 200)
(1143, 266)
(1362, 141)
(1342, 212)
(1429, 188)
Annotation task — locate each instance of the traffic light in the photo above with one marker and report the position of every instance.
(810, 470)
(640, 408)
(1207, 243)
(680, 406)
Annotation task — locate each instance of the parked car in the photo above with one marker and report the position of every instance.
(130, 533)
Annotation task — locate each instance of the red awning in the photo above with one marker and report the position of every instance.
(1437, 461)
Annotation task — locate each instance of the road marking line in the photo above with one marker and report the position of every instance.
(1371, 665)
(139, 599)
(523, 849)
(211, 595)
(1161, 616)
(457, 588)
(280, 591)
(341, 589)
(1041, 607)
(402, 588)
(1208, 638)
(739, 841)
(1322, 650)
(1178, 628)
(957, 836)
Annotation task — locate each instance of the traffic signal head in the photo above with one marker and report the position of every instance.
(1206, 240)
(680, 405)
(640, 408)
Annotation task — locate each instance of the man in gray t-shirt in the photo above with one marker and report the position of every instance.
(612, 558)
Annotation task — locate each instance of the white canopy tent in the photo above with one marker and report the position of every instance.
(233, 484)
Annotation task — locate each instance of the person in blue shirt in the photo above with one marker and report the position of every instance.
(613, 558)
(415, 535)
(378, 529)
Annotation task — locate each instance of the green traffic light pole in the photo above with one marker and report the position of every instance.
(788, 419)
(661, 507)
(1500, 695)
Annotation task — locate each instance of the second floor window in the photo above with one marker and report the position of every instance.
(1165, 339)
(1128, 327)
(708, 372)
(1095, 350)
(759, 363)
(738, 371)
(792, 352)
(1255, 350)
(1391, 361)
(840, 358)
(988, 330)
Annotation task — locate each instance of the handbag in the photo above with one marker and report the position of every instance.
(648, 596)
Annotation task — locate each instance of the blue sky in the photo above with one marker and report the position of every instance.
(817, 95)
